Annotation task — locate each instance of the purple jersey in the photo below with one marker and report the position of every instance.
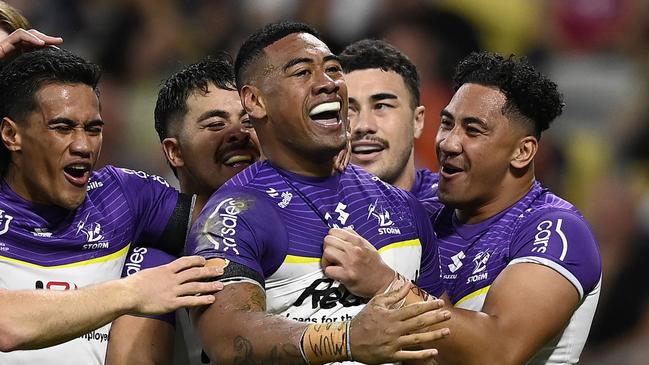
(540, 228)
(46, 247)
(425, 189)
(274, 223)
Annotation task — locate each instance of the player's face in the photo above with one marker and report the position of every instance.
(216, 141)
(305, 96)
(58, 146)
(475, 144)
(383, 122)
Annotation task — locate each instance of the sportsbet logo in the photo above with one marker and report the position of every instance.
(221, 226)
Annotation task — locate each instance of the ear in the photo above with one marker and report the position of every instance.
(10, 134)
(420, 114)
(253, 102)
(524, 152)
(171, 149)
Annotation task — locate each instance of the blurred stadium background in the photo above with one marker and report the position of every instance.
(595, 155)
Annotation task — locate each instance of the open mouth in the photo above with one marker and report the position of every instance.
(77, 173)
(239, 160)
(326, 114)
(450, 170)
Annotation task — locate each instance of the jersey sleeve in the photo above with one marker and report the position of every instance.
(430, 278)
(563, 241)
(140, 258)
(152, 201)
(240, 227)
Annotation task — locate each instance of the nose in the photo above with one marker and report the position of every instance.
(325, 84)
(363, 122)
(81, 143)
(238, 133)
(449, 142)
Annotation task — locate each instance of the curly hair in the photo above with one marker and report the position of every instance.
(254, 45)
(529, 94)
(373, 53)
(22, 78)
(171, 106)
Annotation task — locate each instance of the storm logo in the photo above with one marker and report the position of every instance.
(5, 219)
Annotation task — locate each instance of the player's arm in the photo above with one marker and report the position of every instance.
(526, 306)
(235, 329)
(142, 339)
(40, 318)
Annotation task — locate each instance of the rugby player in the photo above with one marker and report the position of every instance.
(266, 225)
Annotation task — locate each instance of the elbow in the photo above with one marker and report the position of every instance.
(11, 341)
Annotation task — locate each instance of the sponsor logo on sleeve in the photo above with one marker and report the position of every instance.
(144, 175)
(544, 232)
(221, 226)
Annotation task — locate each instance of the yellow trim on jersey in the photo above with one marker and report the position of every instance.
(292, 259)
(473, 295)
(106, 258)
(407, 243)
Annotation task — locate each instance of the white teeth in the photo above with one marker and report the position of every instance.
(366, 149)
(238, 158)
(333, 106)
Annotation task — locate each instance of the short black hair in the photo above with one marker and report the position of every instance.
(24, 76)
(254, 45)
(171, 106)
(529, 93)
(374, 53)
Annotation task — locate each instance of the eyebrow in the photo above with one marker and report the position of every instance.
(68, 121)
(383, 96)
(213, 113)
(467, 120)
(295, 61)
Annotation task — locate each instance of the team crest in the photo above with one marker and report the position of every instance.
(5, 220)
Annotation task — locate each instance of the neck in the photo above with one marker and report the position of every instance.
(508, 196)
(406, 181)
(302, 165)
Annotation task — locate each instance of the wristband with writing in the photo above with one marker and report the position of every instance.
(326, 342)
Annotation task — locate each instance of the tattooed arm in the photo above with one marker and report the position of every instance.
(236, 330)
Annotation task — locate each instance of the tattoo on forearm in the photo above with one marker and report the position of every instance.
(284, 354)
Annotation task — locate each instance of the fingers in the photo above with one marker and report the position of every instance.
(415, 309)
(198, 274)
(199, 288)
(424, 320)
(187, 262)
(404, 355)
(419, 339)
(194, 301)
(45, 38)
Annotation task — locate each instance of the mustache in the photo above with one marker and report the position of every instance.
(239, 145)
(370, 138)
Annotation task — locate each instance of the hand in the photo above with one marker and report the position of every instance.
(177, 284)
(25, 40)
(344, 156)
(378, 333)
(352, 260)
